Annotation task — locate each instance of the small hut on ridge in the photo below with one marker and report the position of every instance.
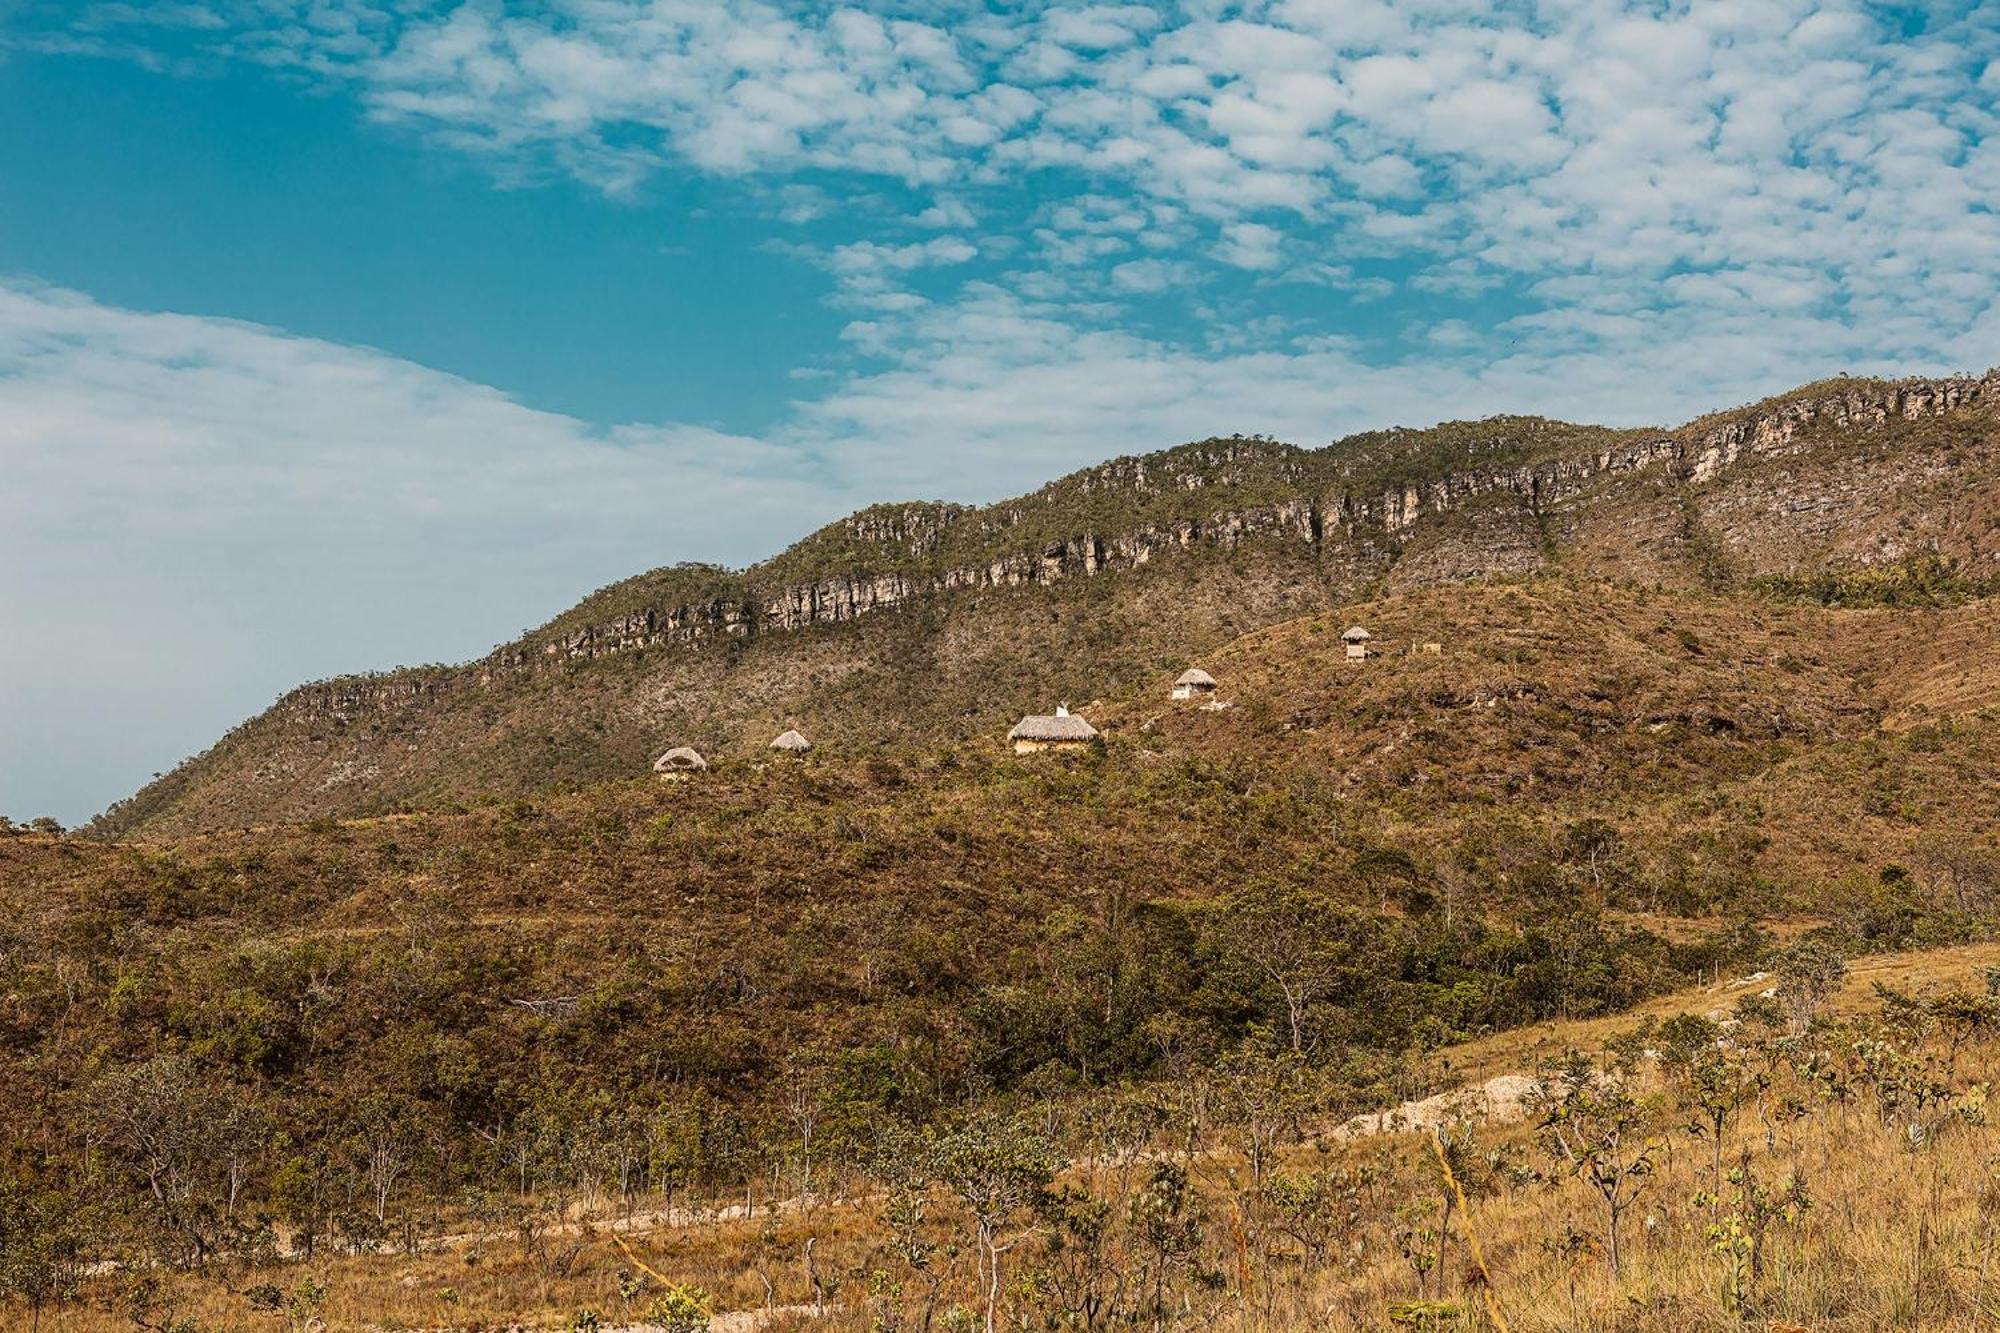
(1194, 683)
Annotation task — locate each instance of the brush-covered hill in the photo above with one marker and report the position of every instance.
(931, 624)
(435, 952)
(1624, 782)
(1593, 793)
(353, 1033)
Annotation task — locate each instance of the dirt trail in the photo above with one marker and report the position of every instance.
(731, 1321)
(1503, 1098)
(633, 1224)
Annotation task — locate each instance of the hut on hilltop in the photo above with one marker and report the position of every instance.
(1062, 730)
(1356, 639)
(1194, 683)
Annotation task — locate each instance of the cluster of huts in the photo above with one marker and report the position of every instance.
(1060, 730)
(687, 759)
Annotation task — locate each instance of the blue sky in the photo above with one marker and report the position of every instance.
(337, 334)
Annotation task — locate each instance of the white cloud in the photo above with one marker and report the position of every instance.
(1251, 245)
(867, 258)
(1146, 276)
(201, 513)
(1625, 144)
(1100, 27)
(868, 272)
(947, 212)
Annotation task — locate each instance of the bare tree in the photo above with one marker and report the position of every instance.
(1291, 938)
(1809, 974)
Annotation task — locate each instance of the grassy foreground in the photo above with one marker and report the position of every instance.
(1854, 1183)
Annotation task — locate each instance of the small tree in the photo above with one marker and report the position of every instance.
(1083, 1275)
(1740, 1235)
(1592, 1125)
(998, 1169)
(1457, 1170)
(1314, 1208)
(1166, 1218)
(41, 1238)
(906, 1213)
(1712, 1082)
(179, 1131)
(1264, 1098)
(1809, 974)
(1292, 940)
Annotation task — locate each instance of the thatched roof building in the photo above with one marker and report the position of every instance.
(1062, 730)
(792, 742)
(1192, 682)
(680, 759)
(1356, 639)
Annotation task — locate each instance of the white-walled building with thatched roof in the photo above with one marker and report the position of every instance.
(1062, 730)
(681, 759)
(1194, 683)
(791, 742)
(1356, 639)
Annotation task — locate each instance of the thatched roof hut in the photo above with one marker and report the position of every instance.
(680, 759)
(1356, 639)
(792, 742)
(1192, 682)
(1061, 730)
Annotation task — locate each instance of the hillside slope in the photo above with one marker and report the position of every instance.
(930, 624)
(1597, 792)
(1587, 770)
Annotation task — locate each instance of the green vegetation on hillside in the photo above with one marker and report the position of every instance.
(1116, 574)
(1922, 581)
(1118, 998)
(333, 1035)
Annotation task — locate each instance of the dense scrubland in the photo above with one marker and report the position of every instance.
(305, 1052)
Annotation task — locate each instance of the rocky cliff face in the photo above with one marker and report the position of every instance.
(1694, 457)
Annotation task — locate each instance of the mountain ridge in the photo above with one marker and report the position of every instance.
(1320, 526)
(1722, 438)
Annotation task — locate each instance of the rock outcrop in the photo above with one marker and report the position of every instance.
(1392, 512)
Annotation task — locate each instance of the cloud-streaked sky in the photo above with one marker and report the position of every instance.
(338, 334)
